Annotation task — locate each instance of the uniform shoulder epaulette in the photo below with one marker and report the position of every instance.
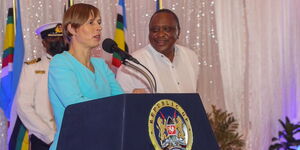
(32, 61)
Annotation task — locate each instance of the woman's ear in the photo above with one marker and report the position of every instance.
(71, 29)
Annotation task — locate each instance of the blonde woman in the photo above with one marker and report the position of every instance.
(75, 76)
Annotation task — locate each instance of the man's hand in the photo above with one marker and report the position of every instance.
(139, 91)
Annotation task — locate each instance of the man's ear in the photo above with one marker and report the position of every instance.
(44, 43)
(178, 33)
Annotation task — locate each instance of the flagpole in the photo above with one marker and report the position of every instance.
(160, 4)
(14, 14)
(71, 2)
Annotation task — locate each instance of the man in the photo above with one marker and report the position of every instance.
(32, 103)
(174, 67)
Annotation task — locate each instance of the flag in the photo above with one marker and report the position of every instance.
(120, 32)
(7, 65)
(158, 4)
(12, 60)
(19, 139)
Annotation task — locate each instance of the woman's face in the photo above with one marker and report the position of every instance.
(89, 33)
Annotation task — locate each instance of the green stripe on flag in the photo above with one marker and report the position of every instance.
(116, 55)
(9, 51)
(10, 20)
(120, 25)
(20, 137)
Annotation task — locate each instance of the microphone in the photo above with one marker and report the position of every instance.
(111, 46)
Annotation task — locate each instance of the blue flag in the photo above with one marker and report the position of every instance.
(13, 56)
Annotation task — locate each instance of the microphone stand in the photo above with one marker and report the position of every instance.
(152, 85)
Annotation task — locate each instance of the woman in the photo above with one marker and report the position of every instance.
(75, 76)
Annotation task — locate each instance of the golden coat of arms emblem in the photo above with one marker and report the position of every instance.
(169, 127)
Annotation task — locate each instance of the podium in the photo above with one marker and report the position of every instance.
(123, 122)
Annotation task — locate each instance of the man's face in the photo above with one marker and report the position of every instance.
(54, 45)
(163, 32)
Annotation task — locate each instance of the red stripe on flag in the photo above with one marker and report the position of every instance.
(8, 59)
(116, 62)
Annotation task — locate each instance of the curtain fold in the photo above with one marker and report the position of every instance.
(233, 48)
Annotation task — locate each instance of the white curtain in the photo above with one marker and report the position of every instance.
(260, 70)
(247, 52)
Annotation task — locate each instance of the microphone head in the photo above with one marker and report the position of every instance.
(108, 45)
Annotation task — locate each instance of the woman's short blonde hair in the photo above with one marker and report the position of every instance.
(76, 16)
